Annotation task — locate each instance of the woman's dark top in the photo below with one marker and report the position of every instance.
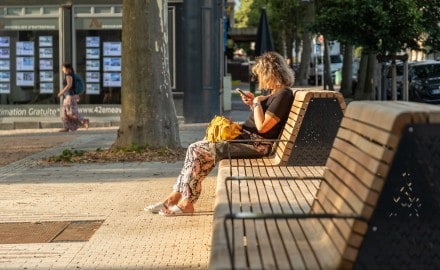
(70, 91)
(278, 106)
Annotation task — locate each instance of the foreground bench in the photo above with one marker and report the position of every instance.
(375, 205)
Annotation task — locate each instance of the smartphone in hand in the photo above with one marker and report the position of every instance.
(241, 92)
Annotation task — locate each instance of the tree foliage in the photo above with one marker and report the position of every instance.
(386, 27)
(248, 15)
(376, 25)
(290, 25)
(380, 27)
(286, 20)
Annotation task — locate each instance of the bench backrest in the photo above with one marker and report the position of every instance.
(310, 129)
(359, 165)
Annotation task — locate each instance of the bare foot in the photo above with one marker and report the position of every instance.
(172, 199)
(186, 206)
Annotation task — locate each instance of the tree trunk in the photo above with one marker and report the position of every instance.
(309, 17)
(347, 72)
(327, 69)
(303, 76)
(148, 116)
(365, 89)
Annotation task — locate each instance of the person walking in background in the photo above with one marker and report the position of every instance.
(268, 115)
(72, 119)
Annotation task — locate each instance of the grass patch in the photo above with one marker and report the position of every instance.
(67, 155)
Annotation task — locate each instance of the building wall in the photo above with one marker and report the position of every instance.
(36, 37)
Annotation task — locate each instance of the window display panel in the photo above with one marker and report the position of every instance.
(112, 63)
(46, 76)
(25, 78)
(112, 79)
(112, 48)
(5, 76)
(4, 53)
(5, 88)
(4, 42)
(25, 48)
(92, 53)
(5, 64)
(25, 63)
(46, 52)
(92, 77)
(46, 41)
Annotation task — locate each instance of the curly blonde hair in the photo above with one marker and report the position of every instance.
(273, 72)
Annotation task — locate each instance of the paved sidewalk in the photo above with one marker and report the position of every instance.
(129, 238)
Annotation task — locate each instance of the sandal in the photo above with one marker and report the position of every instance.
(174, 211)
(155, 208)
(86, 123)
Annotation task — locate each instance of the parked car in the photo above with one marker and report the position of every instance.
(335, 65)
(388, 79)
(424, 82)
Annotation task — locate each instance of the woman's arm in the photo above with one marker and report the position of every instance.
(263, 122)
(69, 81)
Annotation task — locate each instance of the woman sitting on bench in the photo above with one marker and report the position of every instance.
(267, 118)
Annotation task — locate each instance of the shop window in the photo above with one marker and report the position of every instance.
(33, 11)
(83, 10)
(118, 10)
(51, 10)
(14, 11)
(29, 69)
(102, 10)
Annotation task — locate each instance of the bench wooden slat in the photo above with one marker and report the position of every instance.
(360, 158)
(369, 147)
(303, 246)
(354, 182)
(380, 135)
(253, 249)
(239, 253)
(369, 178)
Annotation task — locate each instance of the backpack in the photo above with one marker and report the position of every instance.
(78, 84)
(222, 129)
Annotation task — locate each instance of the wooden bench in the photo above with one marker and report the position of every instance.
(377, 203)
(308, 133)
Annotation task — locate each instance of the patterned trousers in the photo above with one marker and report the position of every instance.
(201, 158)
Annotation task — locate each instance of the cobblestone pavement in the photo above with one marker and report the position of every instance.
(129, 237)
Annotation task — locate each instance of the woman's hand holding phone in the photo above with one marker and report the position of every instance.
(241, 92)
(247, 97)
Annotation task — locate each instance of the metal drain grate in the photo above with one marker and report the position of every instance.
(48, 232)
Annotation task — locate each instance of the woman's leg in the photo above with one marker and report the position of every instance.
(76, 118)
(66, 113)
(199, 162)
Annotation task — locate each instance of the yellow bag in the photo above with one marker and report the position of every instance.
(222, 129)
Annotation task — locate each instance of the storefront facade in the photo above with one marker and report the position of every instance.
(35, 39)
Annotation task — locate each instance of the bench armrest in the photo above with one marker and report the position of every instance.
(252, 215)
(246, 178)
(251, 141)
